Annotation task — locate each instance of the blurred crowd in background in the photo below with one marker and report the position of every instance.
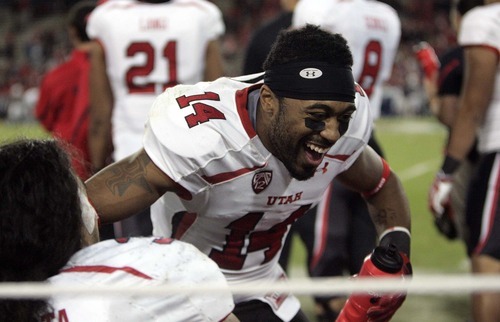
(33, 39)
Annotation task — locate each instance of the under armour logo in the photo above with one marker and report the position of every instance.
(310, 73)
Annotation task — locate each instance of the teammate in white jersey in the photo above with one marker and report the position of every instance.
(479, 113)
(249, 158)
(339, 234)
(46, 219)
(145, 47)
(372, 29)
(141, 262)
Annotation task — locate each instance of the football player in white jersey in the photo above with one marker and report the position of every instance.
(478, 114)
(372, 29)
(141, 261)
(45, 216)
(144, 48)
(339, 233)
(249, 158)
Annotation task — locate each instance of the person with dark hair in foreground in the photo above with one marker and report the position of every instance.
(46, 222)
(248, 156)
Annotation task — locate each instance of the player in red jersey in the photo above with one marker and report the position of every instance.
(249, 157)
(62, 107)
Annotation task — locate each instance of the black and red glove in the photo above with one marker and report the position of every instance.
(439, 198)
(440, 205)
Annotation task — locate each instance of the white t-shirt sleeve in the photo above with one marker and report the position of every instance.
(214, 23)
(168, 141)
(480, 27)
(182, 150)
(96, 24)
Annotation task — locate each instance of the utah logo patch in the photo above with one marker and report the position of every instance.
(261, 181)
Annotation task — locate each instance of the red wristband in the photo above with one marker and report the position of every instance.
(386, 172)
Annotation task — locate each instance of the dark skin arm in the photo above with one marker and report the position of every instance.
(389, 206)
(481, 64)
(214, 67)
(447, 111)
(126, 187)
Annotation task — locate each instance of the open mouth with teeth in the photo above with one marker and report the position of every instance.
(315, 153)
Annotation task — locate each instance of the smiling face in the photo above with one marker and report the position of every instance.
(291, 138)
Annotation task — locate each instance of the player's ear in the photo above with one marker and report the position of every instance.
(269, 101)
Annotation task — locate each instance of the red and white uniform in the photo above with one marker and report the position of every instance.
(140, 262)
(481, 27)
(149, 47)
(372, 30)
(240, 199)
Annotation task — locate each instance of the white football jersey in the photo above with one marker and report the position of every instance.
(149, 47)
(141, 262)
(481, 27)
(240, 199)
(372, 30)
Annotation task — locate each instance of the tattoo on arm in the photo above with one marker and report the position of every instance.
(127, 175)
(383, 217)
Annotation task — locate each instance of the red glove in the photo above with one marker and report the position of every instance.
(427, 58)
(385, 262)
(388, 304)
(440, 206)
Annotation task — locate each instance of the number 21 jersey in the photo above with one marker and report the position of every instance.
(150, 47)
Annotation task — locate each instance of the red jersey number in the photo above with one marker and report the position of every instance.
(371, 66)
(138, 71)
(235, 251)
(202, 112)
(61, 316)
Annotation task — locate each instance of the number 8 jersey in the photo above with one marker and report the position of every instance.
(372, 30)
(239, 199)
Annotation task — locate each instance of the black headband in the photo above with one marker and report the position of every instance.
(312, 80)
